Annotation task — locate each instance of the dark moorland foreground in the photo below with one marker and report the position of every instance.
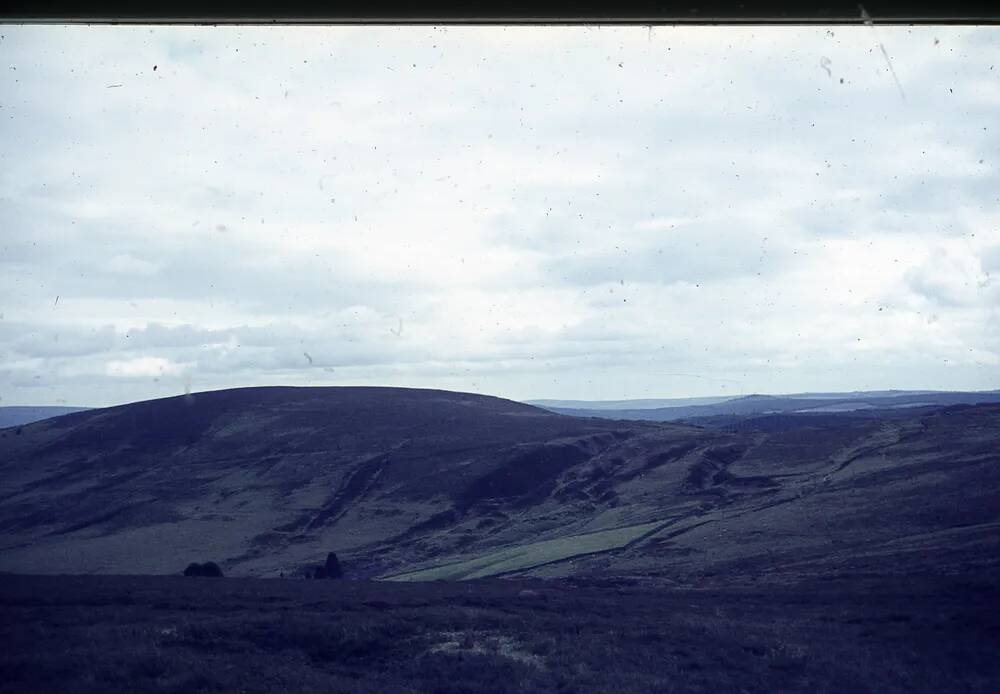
(175, 634)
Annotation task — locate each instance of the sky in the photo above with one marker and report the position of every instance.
(528, 212)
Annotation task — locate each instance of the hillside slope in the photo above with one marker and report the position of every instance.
(268, 478)
(419, 484)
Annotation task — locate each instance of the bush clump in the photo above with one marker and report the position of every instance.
(331, 569)
(209, 568)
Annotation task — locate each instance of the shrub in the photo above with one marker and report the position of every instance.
(209, 568)
(331, 569)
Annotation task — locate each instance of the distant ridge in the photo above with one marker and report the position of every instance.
(757, 403)
(20, 415)
(647, 403)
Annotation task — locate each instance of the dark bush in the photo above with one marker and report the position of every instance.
(209, 568)
(331, 569)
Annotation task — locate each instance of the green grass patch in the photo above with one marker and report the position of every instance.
(530, 555)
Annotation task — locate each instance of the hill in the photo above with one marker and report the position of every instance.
(878, 401)
(641, 404)
(267, 478)
(422, 484)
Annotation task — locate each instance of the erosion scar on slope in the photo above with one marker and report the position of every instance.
(353, 489)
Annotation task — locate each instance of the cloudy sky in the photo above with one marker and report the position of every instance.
(573, 212)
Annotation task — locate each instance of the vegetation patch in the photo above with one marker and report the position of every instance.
(485, 643)
(531, 555)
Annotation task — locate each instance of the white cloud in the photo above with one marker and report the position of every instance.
(531, 211)
(126, 264)
(952, 276)
(142, 367)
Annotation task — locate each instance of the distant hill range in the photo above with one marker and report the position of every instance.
(691, 408)
(645, 404)
(17, 415)
(408, 484)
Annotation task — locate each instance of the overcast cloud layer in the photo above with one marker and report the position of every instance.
(527, 212)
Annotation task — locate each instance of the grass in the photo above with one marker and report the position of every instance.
(173, 634)
(530, 555)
